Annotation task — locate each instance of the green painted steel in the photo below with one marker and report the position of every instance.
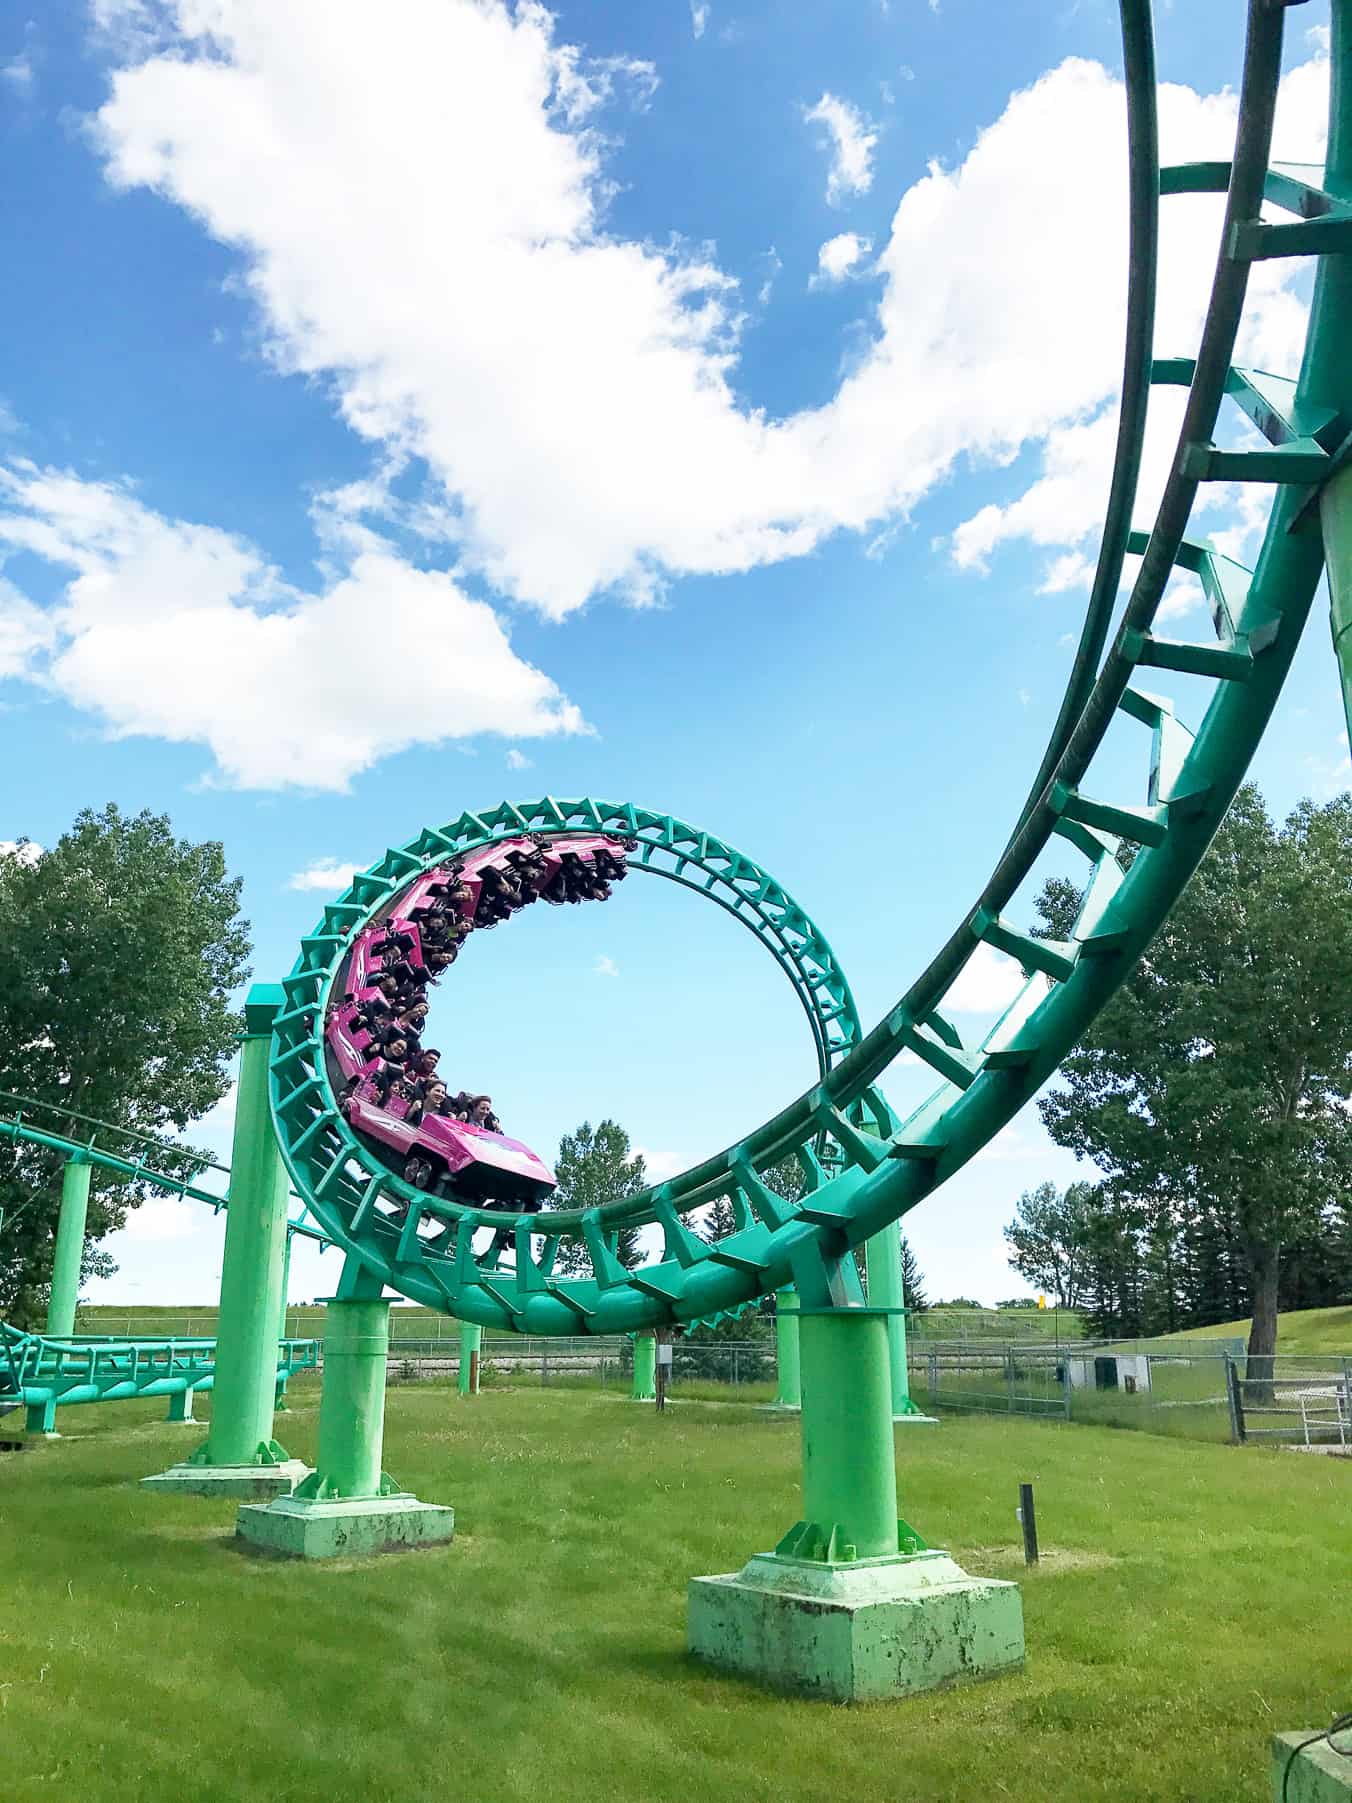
(251, 1267)
(352, 1403)
(849, 1472)
(1333, 303)
(70, 1241)
(42, 1372)
(645, 1368)
(471, 1345)
(789, 1390)
(864, 1170)
(882, 1261)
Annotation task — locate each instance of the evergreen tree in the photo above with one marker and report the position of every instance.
(1213, 1090)
(912, 1279)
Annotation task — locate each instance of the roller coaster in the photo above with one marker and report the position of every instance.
(43, 1372)
(443, 1237)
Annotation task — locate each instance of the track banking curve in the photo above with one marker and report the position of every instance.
(863, 1169)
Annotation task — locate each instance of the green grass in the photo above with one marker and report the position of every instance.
(1307, 1330)
(1193, 1600)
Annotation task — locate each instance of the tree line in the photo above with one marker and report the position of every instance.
(1214, 1095)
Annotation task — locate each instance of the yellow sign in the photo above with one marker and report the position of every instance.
(1042, 1302)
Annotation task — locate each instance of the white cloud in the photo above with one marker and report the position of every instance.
(660, 1165)
(431, 241)
(517, 760)
(604, 966)
(163, 1218)
(838, 257)
(773, 265)
(19, 73)
(183, 632)
(988, 983)
(699, 18)
(851, 140)
(25, 850)
(327, 875)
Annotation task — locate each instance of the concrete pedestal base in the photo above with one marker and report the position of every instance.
(301, 1528)
(249, 1481)
(859, 1632)
(915, 1419)
(1318, 1773)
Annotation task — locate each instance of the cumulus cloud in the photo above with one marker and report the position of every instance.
(517, 760)
(838, 257)
(431, 241)
(19, 73)
(988, 983)
(850, 140)
(327, 875)
(183, 632)
(25, 850)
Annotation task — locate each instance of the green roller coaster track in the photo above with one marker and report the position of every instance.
(865, 1169)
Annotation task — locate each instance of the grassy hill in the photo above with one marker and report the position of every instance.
(1302, 1330)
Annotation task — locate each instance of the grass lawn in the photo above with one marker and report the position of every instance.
(1307, 1330)
(1194, 1599)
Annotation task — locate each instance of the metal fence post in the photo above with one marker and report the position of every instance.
(1236, 1399)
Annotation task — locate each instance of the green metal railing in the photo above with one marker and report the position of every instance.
(863, 1171)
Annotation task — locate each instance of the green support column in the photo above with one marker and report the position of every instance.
(240, 1456)
(280, 1404)
(471, 1344)
(788, 1390)
(180, 1408)
(852, 1605)
(69, 1254)
(882, 1261)
(348, 1506)
(40, 1418)
(645, 1367)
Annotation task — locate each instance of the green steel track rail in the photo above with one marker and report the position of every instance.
(864, 1170)
(38, 1368)
(58, 1129)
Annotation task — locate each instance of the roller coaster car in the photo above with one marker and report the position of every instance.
(483, 1165)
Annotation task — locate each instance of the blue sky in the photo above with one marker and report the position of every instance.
(416, 405)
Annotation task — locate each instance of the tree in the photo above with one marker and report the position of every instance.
(595, 1166)
(1213, 1090)
(120, 950)
(1049, 1237)
(912, 1279)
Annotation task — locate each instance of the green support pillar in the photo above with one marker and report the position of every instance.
(852, 1606)
(471, 1344)
(280, 1404)
(239, 1456)
(788, 1391)
(180, 1408)
(70, 1240)
(882, 1261)
(348, 1506)
(40, 1418)
(645, 1367)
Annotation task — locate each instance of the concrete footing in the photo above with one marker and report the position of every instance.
(915, 1419)
(1318, 1773)
(304, 1528)
(860, 1631)
(252, 1482)
(778, 1408)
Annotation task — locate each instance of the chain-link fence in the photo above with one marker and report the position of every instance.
(1209, 1391)
(722, 1370)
